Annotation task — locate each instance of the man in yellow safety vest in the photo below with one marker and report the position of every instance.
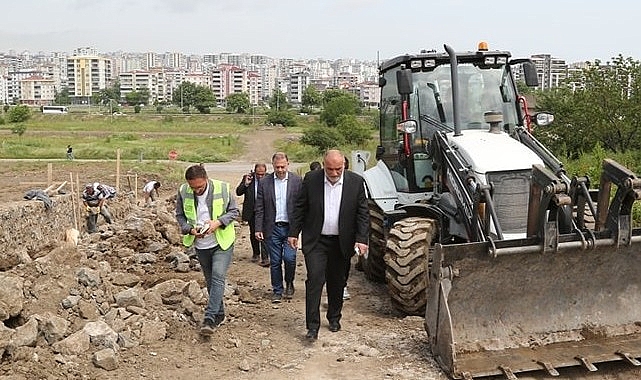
(206, 211)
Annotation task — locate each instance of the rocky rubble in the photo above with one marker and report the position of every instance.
(96, 299)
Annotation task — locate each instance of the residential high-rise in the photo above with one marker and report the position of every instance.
(87, 75)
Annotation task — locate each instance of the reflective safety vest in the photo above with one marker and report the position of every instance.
(220, 200)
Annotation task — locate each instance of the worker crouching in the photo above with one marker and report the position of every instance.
(95, 204)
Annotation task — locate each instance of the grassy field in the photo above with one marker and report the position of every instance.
(212, 138)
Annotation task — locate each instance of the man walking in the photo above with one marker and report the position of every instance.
(274, 205)
(205, 211)
(331, 211)
(248, 187)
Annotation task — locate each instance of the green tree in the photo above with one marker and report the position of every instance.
(133, 98)
(238, 102)
(189, 94)
(284, 118)
(18, 114)
(62, 97)
(352, 130)
(311, 98)
(278, 101)
(599, 103)
(342, 104)
(322, 138)
(204, 99)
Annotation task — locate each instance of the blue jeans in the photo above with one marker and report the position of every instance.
(279, 251)
(214, 263)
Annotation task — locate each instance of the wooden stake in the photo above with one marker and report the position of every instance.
(73, 203)
(136, 187)
(118, 170)
(49, 173)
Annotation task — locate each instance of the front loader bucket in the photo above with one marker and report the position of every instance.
(524, 310)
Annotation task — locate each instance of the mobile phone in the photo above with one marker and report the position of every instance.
(204, 229)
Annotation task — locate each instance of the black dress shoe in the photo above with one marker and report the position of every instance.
(311, 334)
(334, 326)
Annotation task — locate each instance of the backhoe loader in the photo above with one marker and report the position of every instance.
(475, 224)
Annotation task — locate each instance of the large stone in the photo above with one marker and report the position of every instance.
(75, 344)
(170, 288)
(89, 277)
(27, 334)
(129, 297)
(11, 295)
(195, 293)
(53, 328)
(105, 359)
(124, 279)
(88, 310)
(153, 331)
(140, 229)
(100, 334)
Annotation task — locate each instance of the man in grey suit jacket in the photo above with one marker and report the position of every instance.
(332, 213)
(277, 193)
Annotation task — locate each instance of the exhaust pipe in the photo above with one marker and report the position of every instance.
(455, 97)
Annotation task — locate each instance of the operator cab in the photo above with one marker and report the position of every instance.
(419, 88)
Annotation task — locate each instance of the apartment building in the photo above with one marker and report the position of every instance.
(228, 79)
(370, 94)
(296, 85)
(37, 91)
(551, 71)
(87, 75)
(136, 81)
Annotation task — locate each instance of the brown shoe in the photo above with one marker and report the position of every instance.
(264, 263)
(254, 259)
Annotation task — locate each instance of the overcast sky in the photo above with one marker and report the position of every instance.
(574, 30)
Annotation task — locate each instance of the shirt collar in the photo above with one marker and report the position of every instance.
(339, 182)
(284, 179)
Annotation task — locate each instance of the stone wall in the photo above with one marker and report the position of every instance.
(27, 228)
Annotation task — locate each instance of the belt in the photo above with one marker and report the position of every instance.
(329, 236)
(282, 224)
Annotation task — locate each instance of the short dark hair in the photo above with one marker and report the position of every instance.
(280, 155)
(315, 165)
(195, 171)
(260, 165)
(156, 185)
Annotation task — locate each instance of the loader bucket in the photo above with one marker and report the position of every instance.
(523, 310)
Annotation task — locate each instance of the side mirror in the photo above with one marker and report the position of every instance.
(404, 81)
(543, 119)
(529, 72)
(407, 126)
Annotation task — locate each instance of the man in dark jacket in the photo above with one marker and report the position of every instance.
(274, 204)
(248, 187)
(332, 214)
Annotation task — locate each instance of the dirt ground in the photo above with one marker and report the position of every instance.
(260, 339)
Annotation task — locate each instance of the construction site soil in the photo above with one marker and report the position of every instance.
(127, 302)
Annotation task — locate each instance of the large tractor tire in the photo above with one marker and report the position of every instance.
(374, 264)
(408, 260)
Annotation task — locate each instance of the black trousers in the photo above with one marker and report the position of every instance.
(258, 247)
(325, 265)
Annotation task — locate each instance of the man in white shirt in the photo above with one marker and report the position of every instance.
(332, 214)
(150, 191)
(274, 204)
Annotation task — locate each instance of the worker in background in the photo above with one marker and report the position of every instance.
(150, 191)
(95, 202)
